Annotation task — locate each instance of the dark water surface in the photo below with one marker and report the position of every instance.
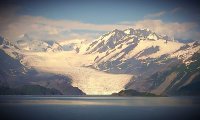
(99, 108)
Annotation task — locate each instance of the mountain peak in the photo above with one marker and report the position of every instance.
(129, 38)
(116, 30)
(129, 31)
(153, 36)
(24, 37)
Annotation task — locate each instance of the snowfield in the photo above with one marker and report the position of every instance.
(90, 81)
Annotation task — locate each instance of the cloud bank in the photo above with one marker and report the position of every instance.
(177, 30)
(39, 27)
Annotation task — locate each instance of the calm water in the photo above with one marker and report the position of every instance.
(99, 108)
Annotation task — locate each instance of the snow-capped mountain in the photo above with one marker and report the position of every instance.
(138, 59)
(126, 51)
(142, 53)
(26, 43)
(118, 38)
(78, 45)
(15, 75)
(4, 43)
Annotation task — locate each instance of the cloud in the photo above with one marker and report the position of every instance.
(155, 15)
(39, 27)
(175, 9)
(31, 24)
(53, 31)
(161, 13)
(173, 29)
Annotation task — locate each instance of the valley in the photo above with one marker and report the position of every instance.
(90, 81)
(137, 59)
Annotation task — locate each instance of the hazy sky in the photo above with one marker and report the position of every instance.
(69, 19)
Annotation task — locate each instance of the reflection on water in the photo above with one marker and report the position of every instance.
(107, 101)
(99, 108)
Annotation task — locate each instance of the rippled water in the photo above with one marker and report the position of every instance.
(99, 108)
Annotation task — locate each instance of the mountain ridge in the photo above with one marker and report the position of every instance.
(142, 56)
(150, 61)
